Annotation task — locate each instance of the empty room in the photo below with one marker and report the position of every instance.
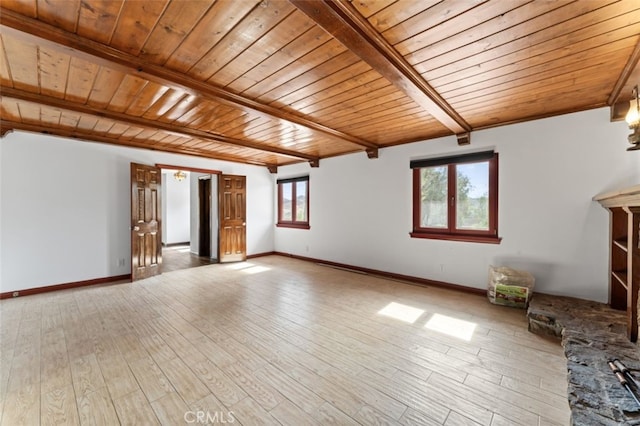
(312, 212)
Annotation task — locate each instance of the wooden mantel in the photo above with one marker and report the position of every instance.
(622, 198)
(624, 246)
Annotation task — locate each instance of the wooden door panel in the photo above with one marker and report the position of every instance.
(226, 204)
(234, 240)
(146, 248)
(239, 208)
(232, 196)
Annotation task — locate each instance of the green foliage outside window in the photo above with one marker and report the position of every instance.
(471, 201)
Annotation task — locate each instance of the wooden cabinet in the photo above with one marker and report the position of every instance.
(624, 241)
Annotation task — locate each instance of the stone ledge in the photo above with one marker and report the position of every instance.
(591, 334)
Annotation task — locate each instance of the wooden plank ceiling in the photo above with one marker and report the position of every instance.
(274, 82)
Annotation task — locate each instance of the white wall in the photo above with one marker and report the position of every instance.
(176, 209)
(66, 206)
(1, 145)
(549, 170)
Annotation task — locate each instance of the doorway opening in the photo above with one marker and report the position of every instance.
(189, 226)
(204, 192)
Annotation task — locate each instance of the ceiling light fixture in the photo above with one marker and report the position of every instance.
(633, 120)
(180, 175)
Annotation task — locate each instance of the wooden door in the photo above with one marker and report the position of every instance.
(232, 199)
(146, 238)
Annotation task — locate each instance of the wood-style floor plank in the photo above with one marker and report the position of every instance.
(249, 413)
(219, 383)
(170, 409)
(293, 391)
(210, 404)
(135, 409)
(59, 407)
(151, 379)
(190, 388)
(22, 407)
(265, 395)
(272, 341)
(87, 377)
(289, 414)
(118, 377)
(415, 417)
(96, 408)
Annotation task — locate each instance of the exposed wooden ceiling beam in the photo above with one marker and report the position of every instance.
(627, 71)
(7, 126)
(340, 19)
(40, 33)
(464, 138)
(619, 101)
(618, 111)
(188, 169)
(50, 101)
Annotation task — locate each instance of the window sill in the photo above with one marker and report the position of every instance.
(293, 225)
(487, 239)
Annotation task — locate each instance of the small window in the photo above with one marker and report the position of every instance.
(456, 198)
(293, 202)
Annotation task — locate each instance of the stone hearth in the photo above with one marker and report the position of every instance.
(591, 334)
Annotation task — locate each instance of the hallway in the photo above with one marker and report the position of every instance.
(176, 257)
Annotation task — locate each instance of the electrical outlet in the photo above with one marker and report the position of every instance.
(121, 262)
(16, 294)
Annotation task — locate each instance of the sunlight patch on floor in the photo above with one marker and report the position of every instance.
(240, 265)
(247, 267)
(255, 270)
(451, 326)
(401, 312)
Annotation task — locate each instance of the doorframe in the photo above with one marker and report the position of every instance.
(218, 173)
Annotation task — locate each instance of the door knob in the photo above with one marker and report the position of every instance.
(136, 228)
(244, 223)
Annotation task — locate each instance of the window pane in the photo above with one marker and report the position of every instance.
(433, 192)
(301, 201)
(286, 212)
(472, 196)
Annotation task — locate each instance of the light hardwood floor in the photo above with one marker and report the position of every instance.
(274, 340)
